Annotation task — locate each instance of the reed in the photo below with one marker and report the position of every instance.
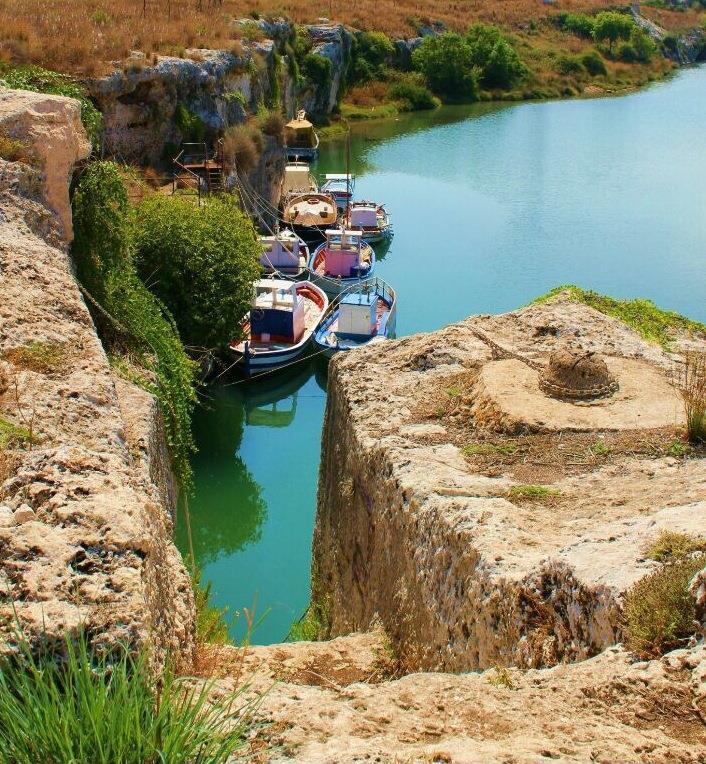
(691, 383)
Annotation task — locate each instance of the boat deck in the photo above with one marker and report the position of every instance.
(366, 256)
(382, 308)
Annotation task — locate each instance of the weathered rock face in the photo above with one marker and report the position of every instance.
(684, 50)
(428, 513)
(333, 42)
(52, 126)
(85, 532)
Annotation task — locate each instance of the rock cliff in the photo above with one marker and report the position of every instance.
(482, 522)
(85, 486)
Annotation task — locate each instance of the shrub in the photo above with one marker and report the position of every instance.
(15, 150)
(129, 318)
(593, 63)
(108, 709)
(643, 45)
(370, 52)
(317, 69)
(569, 65)
(691, 383)
(670, 546)
(191, 126)
(272, 124)
(242, 145)
(612, 26)
(539, 493)
(577, 23)
(659, 611)
(200, 262)
(495, 58)
(627, 53)
(447, 63)
(413, 96)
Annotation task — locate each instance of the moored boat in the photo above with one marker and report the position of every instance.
(297, 179)
(343, 260)
(300, 138)
(280, 324)
(340, 187)
(309, 215)
(363, 314)
(371, 218)
(285, 253)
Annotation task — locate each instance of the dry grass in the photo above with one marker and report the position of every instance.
(691, 383)
(242, 146)
(82, 36)
(670, 546)
(14, 150)
(50, 358)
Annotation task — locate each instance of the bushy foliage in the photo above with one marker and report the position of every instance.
(447, 63)
(493, 55)
(317, 69)
(191, 126)
(370, 53)
(200, 262)
(569, 65)
(44, 81)
(612, 26)
(109, 709)
(593, 63)
(577, 23)
(412, 96)
(272, 124)
(130, 319)
(242, 146)
(642, 44)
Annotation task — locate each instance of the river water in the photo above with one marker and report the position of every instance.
(492, 205)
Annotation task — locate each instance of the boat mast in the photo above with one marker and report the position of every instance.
(348, 173)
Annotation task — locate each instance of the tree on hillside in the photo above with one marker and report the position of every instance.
(200, 262)
(447, 63)
(497, 60)
(612, 26)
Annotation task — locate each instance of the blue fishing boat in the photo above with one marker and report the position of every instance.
(340, 187)
(342, 261)
(280, 324)
(361, 315)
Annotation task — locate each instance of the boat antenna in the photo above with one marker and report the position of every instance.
(348, 170)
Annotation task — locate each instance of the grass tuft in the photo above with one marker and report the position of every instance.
(489, 449)
(13, 435)
(501, 677)
(671, 546)
(659, 613)
(691, 383)
(538, 493)
(40, 357)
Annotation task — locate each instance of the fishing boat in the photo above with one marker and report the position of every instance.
(343, 260)
(340, 187)
(280, 324)
(285, 253)
(300, 138)
(363, 314)
(310, 214)
(371, 218)
(297, 179)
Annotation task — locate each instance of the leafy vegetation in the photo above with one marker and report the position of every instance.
(494, 57)
(577, 23)
(659, 611)
(318, 69)
(411, 94)
(612, 26)
(243, 145)
(211, 623)
(643, 316)
(15, 150)
(593, 63)
(671, 546)
(191, 126)
(538, 493)
(44, 81)
(489, 449)
(371, 52)
(447, 63)
(200, 262)
(108, 709)
(130, 319)
(312, 626)
(13, 435)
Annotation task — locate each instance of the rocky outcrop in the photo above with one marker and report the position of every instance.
(480, 521)
(51, 125)
(332, 42)
(683, 49)
(85, 489)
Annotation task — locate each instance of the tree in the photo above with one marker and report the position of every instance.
(612, 26)
(447, 63)
(370, 52)
(643, 45)
(496, 59)
(200, 262)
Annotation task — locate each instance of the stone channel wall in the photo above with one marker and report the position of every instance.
(85, 509)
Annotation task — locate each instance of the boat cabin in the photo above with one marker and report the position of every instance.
(364, 216)
(357, 317)
(297, 179)
(343, 253)
(339, 186)
(277, 312)
(281, 252)
(299, 133)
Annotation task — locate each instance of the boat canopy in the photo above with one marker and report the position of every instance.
(300, 132)
(297, 179)
(338, 176)
(278, 294)
(365, 215)
(300, 122)
(344, 239)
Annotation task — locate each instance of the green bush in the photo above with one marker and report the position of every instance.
(412, 96)
(108, 709)
(612, 26)
(593, 63)
(577, 23)
(659, 611)
(317, 69)
(447, 63)
(200, 262)
(643, 45)
(191, 126)
(497, 61)
(370, 53)
(130, 319)
(569, 65)
(627, 53)
(44, 81)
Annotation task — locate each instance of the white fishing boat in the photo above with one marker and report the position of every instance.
(371, 218)
(284, 253)
(280, 324)
(342, 261)
(340, 187)
(310, 214)
(365, 313)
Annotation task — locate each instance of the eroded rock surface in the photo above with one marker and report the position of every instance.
(481, 531)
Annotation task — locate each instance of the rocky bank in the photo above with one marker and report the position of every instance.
(86, 495)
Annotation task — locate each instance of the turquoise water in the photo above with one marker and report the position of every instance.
(492, 206)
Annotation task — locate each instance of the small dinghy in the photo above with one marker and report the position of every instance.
(361, 315)
(340, 187)
(310, 214)
(284, 253)
(342, 261)
(280, 324)
(370, 218)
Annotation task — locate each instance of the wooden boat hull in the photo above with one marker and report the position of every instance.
(256, 359)
(334, 286)
(310, 215)
(325, 337)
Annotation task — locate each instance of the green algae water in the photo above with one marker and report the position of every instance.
(492, 206)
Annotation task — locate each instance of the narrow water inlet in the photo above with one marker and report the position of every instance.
(492, 206)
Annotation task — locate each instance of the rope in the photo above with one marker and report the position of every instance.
(275, 369)
(501, 352)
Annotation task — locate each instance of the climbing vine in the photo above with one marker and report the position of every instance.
(132, 322)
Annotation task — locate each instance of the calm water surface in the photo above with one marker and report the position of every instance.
(492, 206)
